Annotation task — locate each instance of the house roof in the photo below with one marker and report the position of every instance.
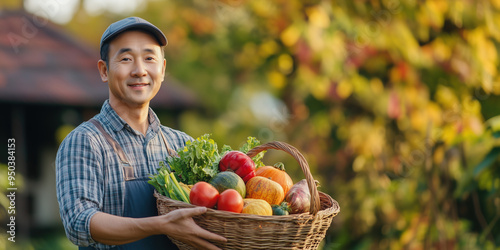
(41, 63)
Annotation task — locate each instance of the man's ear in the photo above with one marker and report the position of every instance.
(103, 70)
(164, 67)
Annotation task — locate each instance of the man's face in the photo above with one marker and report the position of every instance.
(135, 70)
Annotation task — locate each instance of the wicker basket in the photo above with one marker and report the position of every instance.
(245, 231)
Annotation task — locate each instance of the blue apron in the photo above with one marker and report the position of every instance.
(139, 199)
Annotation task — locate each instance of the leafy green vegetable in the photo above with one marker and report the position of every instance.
(252, 142)
(166, 184)
(197, 161)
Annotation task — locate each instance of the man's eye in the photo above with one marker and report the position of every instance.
(125, 59)
(150, 58)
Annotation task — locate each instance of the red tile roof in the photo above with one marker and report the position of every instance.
(41, 63)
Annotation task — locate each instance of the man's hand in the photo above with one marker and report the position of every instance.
(180, 225)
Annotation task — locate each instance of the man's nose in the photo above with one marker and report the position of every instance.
(139, 69)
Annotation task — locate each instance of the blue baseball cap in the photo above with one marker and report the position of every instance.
(131, 23)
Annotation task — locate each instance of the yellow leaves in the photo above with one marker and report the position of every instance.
(337, 43)
(290, 35)
(471, 106)
(233, 3)
(276, 79)
(433, 13)
(366, 137)
(496, 4)
(493, 24)
(200, 23)
(442, 51)
(460, 117)
(318, 21)
(456, 15)
(419, 121)
(461, 66)
(403, 39)
(485, 53)
(358, 164)
(318, 17)
(435, 114)
(438, 155)
(376, 86)
(344, 89)
(263, 8)
(473, 126)
(176, 37)
(494, 123)
(285, 63)
(445, 97)
(268, 48)
(496, 86)
(488, 53)
(319, 87)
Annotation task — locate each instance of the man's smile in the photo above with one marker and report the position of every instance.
(137, 85)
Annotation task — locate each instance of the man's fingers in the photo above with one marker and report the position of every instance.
(186, 213)
(205, 234)
(190, 212)
(202, 233)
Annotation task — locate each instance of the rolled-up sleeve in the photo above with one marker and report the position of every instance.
(79, 184)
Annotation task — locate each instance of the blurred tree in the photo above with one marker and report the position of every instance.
(384, 98)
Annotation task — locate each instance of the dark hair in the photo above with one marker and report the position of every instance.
(105, 52)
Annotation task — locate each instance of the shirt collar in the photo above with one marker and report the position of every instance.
(154, 122)
(114, 121)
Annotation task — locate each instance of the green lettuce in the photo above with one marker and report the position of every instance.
(199, 159)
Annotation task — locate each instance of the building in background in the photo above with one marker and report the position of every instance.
(49, 84)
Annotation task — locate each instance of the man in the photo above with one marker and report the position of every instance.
(102, 166)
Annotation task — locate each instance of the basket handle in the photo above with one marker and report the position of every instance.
(313, 190)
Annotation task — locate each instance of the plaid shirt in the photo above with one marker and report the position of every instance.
(88, 173)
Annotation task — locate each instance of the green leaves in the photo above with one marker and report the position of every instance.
(166, 184)
(197, 161)
(487, 161)
(252, 142)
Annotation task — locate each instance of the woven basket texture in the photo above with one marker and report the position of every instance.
(246, 231)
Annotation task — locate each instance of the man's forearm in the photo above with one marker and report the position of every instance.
(179, 224)
(114, 230)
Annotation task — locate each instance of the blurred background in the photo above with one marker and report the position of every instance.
(394, 103)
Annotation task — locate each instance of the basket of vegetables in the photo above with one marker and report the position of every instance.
(252, 205)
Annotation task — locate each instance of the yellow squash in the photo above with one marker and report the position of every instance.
(256, 206)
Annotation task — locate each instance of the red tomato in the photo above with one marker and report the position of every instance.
(238, 162)
(230, 200)
(203, 194)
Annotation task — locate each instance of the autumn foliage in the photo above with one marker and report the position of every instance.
(390, 101)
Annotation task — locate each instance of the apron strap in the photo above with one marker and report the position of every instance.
(170, 151)
(128, 170)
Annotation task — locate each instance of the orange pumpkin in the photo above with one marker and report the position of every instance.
(266, 189)
(276, 173)
(257, 207)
